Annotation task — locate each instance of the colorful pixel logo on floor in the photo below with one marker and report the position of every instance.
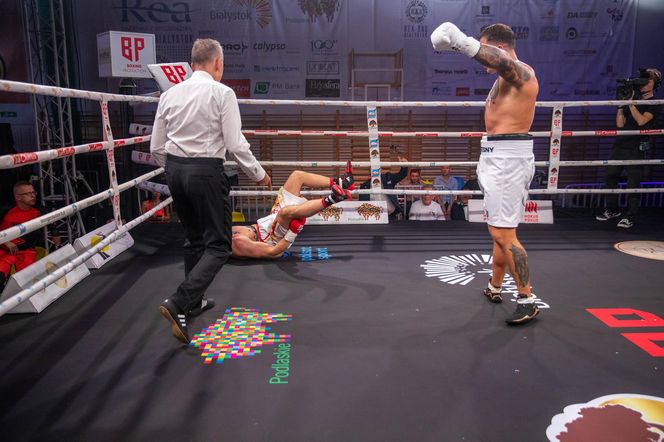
(239, 333)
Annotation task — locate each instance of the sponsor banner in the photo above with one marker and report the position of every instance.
(280, 89)
(242, 86)
(414, 23)
(109, 252)
(352, 212)
(168, 75)
(536, 212)
(40, 269)
(323, 67)
(585, 37)
(125, 54)
(320, 88)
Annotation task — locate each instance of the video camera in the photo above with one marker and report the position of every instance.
(627, 85)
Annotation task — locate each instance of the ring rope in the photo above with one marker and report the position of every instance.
(54, 91)
(439, 103)
(40, 285)
(446, 192)
(39, 222)
(16, 86)
(146, 158)
(21, 159)
(364, 134)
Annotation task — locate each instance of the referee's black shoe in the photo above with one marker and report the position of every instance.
(177, 318)
(206, 304)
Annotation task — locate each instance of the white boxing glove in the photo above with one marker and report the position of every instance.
(447, 37)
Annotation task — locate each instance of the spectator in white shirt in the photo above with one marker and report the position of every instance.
(426, 209)
(196, 124)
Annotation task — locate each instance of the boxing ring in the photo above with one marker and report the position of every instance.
(367, 332)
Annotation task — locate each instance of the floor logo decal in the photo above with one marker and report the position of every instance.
(239, 333)
(455, 269)
(463, 269)
(614, 417)
(642, 249)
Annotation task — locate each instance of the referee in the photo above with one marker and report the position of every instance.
(197, 122)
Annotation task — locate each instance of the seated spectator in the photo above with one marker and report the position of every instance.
(426, 209)
(414, 178)
(20, 252)
(445, 182)
(460, 205)
(412, 182)
(160, 216)
(389, 180)
(472, 184)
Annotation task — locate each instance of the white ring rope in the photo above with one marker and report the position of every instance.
(28, 88)
(354, 133)
(445, 192)
(53, 91)
(40, 285)
(21, 159)
(39, 222)
(146, 158)
(439, 103)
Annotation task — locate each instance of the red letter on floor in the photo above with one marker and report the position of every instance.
(646, 342)
(608, 317)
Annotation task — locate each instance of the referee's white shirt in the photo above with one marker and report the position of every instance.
(200, 117)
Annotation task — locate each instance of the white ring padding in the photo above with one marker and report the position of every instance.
(446, 192)
(40, 285)
(53, 91)
(149, 186)
(439, 103)
(39, 222)
(21, 159)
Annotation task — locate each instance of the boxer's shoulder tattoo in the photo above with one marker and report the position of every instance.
(511, 70)
(493, 93)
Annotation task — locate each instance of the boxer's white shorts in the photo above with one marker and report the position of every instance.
(504, 173)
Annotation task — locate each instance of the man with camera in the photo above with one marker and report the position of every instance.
(633, 147)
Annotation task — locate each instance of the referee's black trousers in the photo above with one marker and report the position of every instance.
(200, 197)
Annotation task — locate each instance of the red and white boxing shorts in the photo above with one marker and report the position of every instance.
(270, 231)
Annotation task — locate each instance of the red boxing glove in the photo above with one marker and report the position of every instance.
(294, 229)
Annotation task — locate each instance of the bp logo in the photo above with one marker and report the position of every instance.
(463, 269)
(416, 11)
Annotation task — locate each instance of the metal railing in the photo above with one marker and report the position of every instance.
(596, 200)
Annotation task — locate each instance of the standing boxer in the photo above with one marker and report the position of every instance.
(506, 164)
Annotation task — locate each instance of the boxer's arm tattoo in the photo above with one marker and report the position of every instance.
(520, 264)
(511, 70)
